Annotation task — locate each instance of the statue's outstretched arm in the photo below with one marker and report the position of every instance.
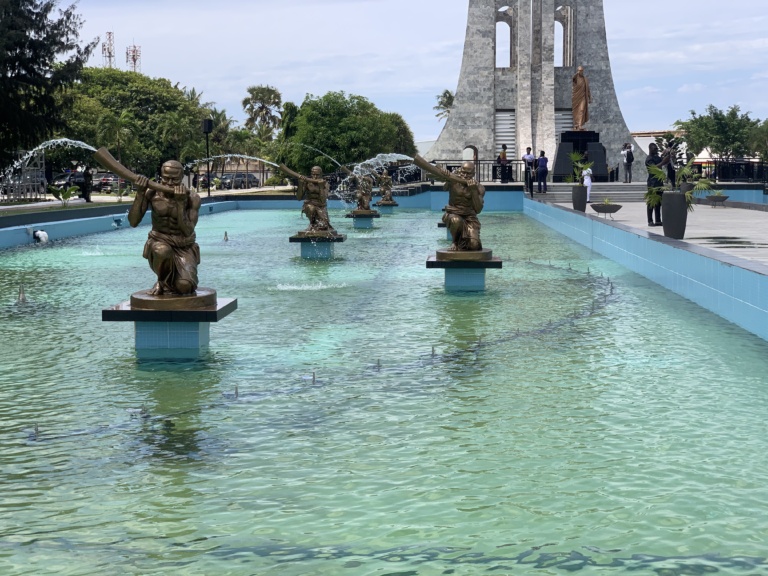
(436, 171)
(298, 176)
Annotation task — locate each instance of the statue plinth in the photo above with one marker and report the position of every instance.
(317, 236)
(202, 298)
(386, 206)
(317, 244)
(362, 214)
(363, 218)
(465, 255)
(464, 269)
(168, 326)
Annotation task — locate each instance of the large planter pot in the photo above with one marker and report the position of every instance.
(714, 200)
(608, 209)
(579, 198)
(674, 214)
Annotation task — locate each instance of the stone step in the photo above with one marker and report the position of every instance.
(616, 191)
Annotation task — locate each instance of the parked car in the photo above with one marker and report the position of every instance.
(69, 179)
(203, 182)
(107, 182)
(239, 181)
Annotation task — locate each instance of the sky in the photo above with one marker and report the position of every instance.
(668, 56)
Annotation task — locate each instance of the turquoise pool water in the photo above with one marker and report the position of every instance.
(573, 417)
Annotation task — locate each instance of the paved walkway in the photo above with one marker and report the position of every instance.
(734, 231)
(111, 198)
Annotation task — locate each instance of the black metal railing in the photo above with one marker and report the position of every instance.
(487, 170)
(730, 170)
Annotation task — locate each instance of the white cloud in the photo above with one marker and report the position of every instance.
(688, 88)
(642, 92)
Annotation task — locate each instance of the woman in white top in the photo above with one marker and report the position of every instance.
(586, 178)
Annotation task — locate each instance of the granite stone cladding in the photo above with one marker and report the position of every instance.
(532, 86)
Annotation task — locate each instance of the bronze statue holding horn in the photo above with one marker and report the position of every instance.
(314, 192)
(465, 202)
(385, 187)
(171, 247)
(364, 193)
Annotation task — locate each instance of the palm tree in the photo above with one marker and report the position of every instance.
(252, 147)
(262, 105)
(116, 130)
(444, 105)
(264, 132)
(193, 149)
(222, 124)
(237, 143)
(176, 130)
(194, 97)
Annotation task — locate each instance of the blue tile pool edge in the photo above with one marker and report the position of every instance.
(733, 288)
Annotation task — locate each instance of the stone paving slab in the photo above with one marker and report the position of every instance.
(733, 231)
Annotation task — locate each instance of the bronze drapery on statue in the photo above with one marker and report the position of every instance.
(581, 99)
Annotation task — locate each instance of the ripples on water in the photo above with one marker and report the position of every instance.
(351, 417)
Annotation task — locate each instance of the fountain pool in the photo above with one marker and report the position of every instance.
(354, 418)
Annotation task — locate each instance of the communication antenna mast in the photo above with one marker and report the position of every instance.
(133, 58)
(108, 50)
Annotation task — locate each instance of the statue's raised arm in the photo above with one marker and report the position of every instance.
(298, 176)
(436, 171)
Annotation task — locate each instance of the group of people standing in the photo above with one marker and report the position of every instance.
(536, 169)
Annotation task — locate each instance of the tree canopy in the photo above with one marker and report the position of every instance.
(348, 128)
(759, 140)
(444, 105)
(727, 134)
(39, 55)
(143, 121)
(262, 105)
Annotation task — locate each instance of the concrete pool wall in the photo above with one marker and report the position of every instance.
(733, 288)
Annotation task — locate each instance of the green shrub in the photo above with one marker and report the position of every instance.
(275, 181)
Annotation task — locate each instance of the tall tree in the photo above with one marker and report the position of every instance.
(403, 143)
(444, 105)
(759, 140)
(727, 134)
(116, 130)
(39, 56)
(220, 141)
(347, 128)
(264, 132)
(262, 105)
(176, 130)
(288, 121)
(148, 101)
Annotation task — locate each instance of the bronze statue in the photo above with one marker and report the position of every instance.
(171, 249)
(465, 202)
(364, 185)
(385, 187)
(314, 191)
(582, 97)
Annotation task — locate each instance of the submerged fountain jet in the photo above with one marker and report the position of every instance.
(22, 299)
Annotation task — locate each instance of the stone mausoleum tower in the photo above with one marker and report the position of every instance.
(528, 100)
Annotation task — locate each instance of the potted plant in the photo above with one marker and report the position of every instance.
(578, 191)
(606, 207)
(676, 198)
(717, 197)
